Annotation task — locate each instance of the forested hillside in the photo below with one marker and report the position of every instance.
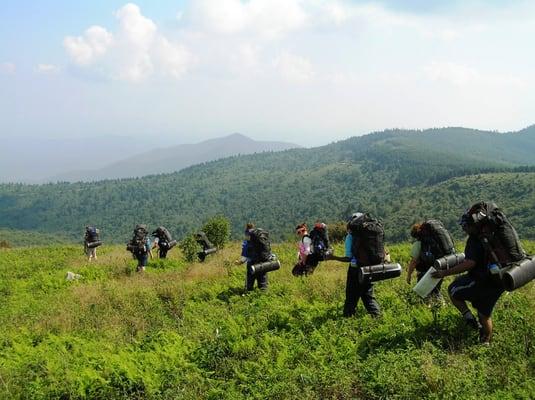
(398, 175)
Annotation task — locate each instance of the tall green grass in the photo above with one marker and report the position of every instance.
(188, 331)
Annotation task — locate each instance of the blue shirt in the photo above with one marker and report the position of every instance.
(348, 244)
(244, 248)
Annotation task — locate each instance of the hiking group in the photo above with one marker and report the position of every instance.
(493, 260)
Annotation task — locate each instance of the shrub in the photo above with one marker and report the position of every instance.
(189, 247)
(217, 230)
(337, 231)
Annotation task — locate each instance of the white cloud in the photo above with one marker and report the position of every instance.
(269, 19)
(174, 59)
(85, 49)
(462, 75)
(47, 69)
(8, 68)
(294, 68)
(135, 52)
(337, 12)
(452, 73)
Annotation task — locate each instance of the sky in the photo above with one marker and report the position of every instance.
(304, 71)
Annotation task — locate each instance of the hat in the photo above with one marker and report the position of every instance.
(355, 216)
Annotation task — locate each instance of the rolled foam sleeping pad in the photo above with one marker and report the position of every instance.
(380, 272)
(172, 244)
(94, 244)
(266, 266)
(448, 262)
(518, 275)
(209, 251)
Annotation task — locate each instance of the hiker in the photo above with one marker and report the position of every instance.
(364, 246)
(304, 252)
(255, 249)
(91, 242)
(433, 241)
(207, 246)
(245, 244)
(313, 248)
(492, 243)
(140, 246)
(164, 242)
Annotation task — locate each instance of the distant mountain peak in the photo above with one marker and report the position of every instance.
(237, 135)
(177, 157)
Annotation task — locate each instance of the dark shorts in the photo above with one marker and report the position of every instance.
(312, 262)
(300, 269)
(482, 294)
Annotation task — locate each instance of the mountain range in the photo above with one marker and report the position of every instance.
(399, 175)
(43, 160)
(174, 158)
(36, 159)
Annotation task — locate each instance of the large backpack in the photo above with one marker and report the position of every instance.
(368, 240)
(140, 238)
(91, 234)
(163, 234)
(320, 240)
(203, 240)
(436, 242)
(260, 245)
(494, 226)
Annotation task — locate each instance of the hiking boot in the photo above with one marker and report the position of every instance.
(484, 338)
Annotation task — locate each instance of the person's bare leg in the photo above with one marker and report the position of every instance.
(486, 328)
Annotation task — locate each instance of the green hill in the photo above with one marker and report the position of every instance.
(398, 175)
(16, 238)
(184, 331)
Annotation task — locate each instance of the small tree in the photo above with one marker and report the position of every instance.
(337, 231)
(217, 230)
(190, 248)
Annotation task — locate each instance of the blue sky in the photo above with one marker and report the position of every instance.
(307, 71)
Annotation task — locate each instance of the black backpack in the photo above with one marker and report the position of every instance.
(162, 234)
(139, 239)
(495, 227)
(320, 240)
(203, 241)
(368, 240)
(436, 242)
(91, 234)
(260, 248)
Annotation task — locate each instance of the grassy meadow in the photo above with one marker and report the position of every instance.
(188, 331)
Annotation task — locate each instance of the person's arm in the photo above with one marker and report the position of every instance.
(306, 243)
(347, 246)
(149, 248)
(338, 258)
(466, 265)
(410, 269)
(416, 249)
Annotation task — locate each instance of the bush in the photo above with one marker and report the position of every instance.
(217, 230)
(190, 248)
(337, 231)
